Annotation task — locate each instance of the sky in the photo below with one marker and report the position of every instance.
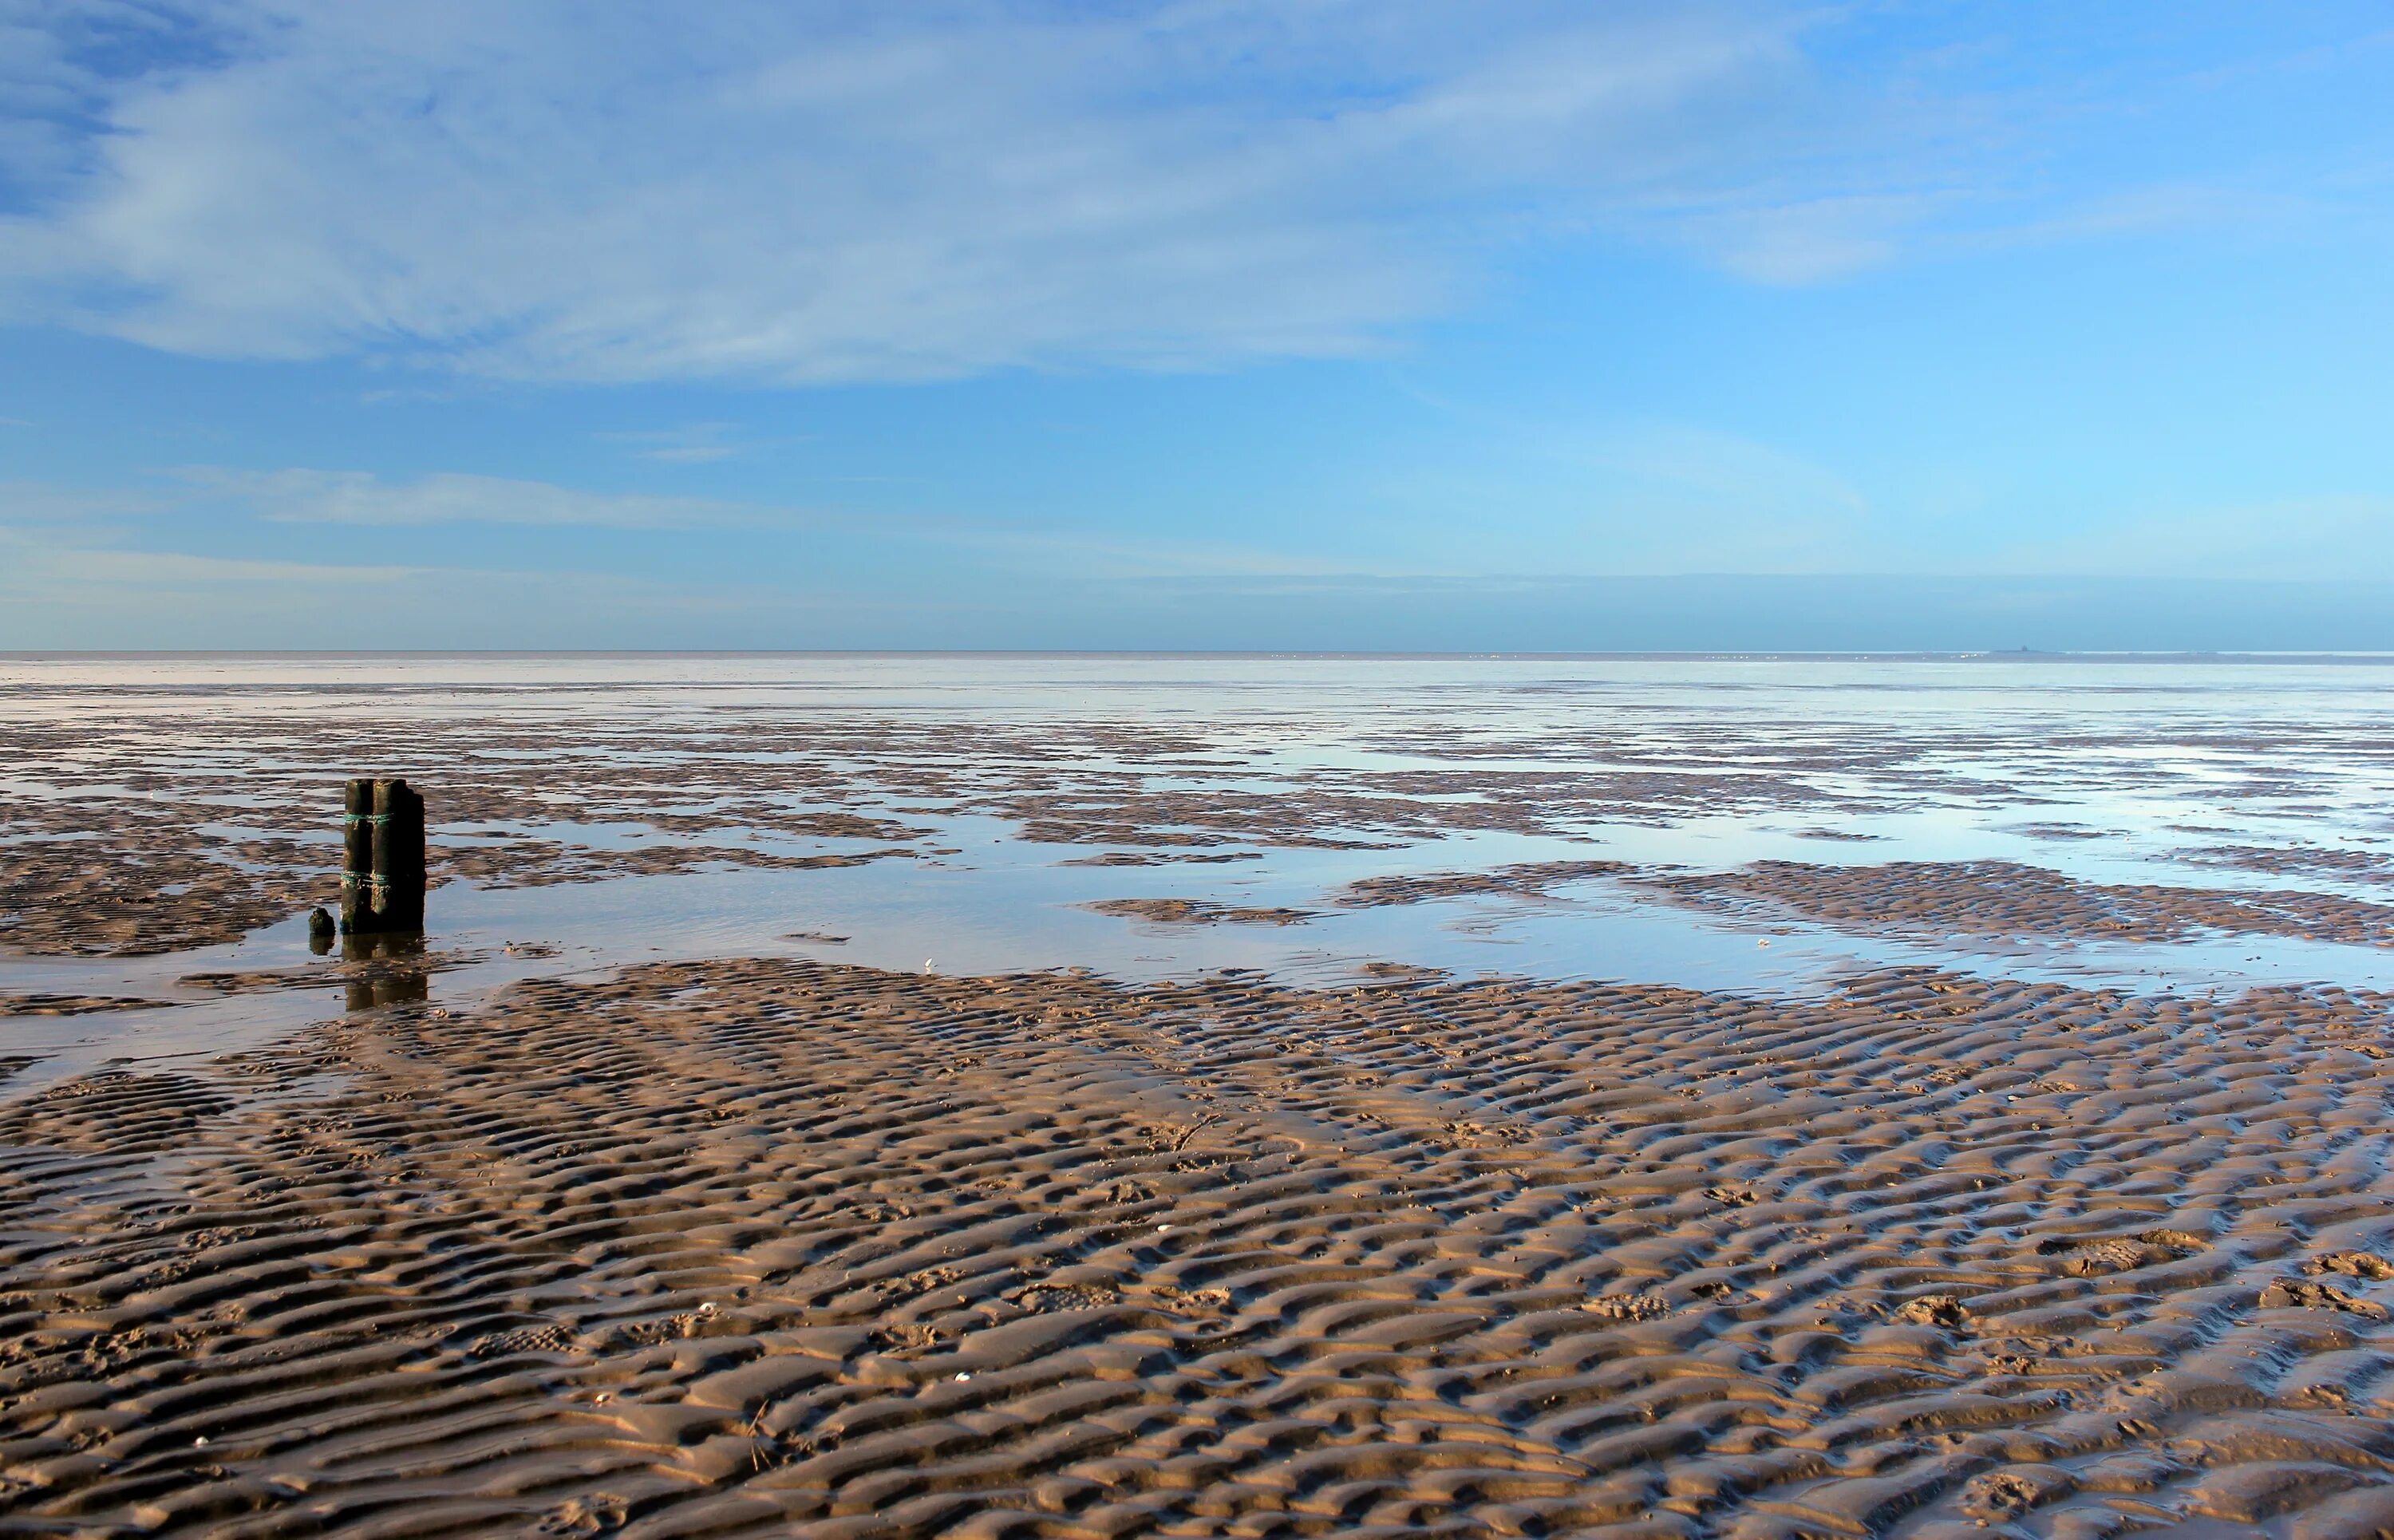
(1368, 325)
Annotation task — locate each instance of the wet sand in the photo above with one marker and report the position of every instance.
(742, 1244)
(1934, 900)
(1999, 897)
(1195, 911)
(191, 811)
(715, 1249)
(67, 1005)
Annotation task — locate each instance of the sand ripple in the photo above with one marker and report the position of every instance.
(723, 1248)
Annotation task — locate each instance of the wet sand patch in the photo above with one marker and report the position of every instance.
(2300, 860)
(1162, 858)
(1197, 912)
(145, 892)
(1928, 901)
(1530, 879)
(539, 863)
(12, 1004)
(1936, 900)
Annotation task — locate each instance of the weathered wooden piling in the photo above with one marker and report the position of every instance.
(382, 875)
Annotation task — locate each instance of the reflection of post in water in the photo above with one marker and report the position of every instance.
(393, 971)
(382, 858)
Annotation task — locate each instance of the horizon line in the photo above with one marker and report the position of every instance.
(2009, 654)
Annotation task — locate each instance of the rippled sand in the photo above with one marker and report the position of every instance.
(713, 1249)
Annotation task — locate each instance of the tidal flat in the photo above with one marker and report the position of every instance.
(1095, 1096)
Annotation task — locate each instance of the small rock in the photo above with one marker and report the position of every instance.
(1934, 1310)
(2301, 1293)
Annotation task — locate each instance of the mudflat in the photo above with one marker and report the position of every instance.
(509, 1236)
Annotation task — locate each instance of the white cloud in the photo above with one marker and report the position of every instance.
(1810, 241)
(114, 572)
(811, 190)
(814, 191)
(62, 526)
(356, 497)
(447, 497)
(70, 588)
(42, 568)
(31, 503)
(1087, 555)
(690, 444)
(58, 592)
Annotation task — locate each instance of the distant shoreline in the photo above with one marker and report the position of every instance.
(1657, 656)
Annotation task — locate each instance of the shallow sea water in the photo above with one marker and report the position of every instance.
(2107, 770)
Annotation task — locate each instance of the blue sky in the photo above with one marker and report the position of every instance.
(1310, 324)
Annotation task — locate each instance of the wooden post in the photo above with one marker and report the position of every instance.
(398, 856)
(357, 857)
(382, 875)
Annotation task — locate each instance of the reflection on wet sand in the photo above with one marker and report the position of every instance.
(388, 971)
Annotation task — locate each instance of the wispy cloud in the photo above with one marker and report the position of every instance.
(30, 502)
(75, 519)
(690, 444)
(355, 498)
(813, 191)
(45, 568)
(295, 496)
(1105, 556)
(57, 589)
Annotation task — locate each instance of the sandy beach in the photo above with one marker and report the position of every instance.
(1030, 769)
(502, 1237)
